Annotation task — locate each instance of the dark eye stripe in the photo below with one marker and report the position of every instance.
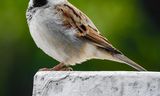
(39, 3)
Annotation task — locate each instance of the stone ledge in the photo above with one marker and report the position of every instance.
(96, 83)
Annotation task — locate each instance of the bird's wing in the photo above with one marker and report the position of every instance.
(74, 18)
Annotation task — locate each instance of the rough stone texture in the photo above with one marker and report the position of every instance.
(96, 84)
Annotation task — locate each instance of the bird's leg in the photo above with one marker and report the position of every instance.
(66, 69)
(62, 67)
(59, 67)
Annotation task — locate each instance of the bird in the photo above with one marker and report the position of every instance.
(66, 34)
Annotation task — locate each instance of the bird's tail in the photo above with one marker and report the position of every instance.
(126, 60)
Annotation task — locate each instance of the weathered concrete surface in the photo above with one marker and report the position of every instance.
(96, 84)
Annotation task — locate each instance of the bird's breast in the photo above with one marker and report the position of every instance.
(56, 41)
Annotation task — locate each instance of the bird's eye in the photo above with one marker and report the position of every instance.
(39, 3)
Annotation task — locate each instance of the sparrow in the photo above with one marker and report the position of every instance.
(66, 34)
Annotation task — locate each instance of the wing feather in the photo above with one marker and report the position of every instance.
(72, 17)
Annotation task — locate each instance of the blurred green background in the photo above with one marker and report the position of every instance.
(133, 26)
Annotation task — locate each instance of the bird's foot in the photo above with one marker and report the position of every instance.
(59, 67)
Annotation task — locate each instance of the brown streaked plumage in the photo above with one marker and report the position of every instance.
(73, 18)
(76, 19)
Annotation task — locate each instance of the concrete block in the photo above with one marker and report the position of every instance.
(96, 83)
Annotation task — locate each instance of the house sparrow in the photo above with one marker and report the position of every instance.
(66, 34)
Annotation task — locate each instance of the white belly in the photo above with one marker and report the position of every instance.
(59, 43)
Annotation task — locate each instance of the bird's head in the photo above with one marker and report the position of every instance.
(40, 3)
